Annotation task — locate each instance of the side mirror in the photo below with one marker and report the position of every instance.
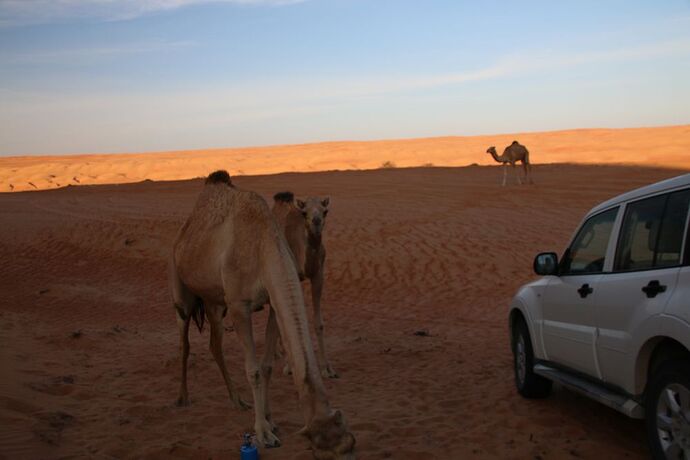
(546, 264)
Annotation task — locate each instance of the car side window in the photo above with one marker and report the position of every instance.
(652, 232)
(588, 251)
(686, 245)
(639, 232)
(670, 241)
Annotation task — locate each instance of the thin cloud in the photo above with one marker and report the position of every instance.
(506, 67)
(296, 91)
(543, 61)
(259, 95)
(30, 12)
(668, 48)
(92, 53)
(209, 112)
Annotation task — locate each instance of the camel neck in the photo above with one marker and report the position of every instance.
(285, 292)
(313, 240)
(496, 157)
(313, 399)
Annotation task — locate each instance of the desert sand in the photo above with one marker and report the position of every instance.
(665, 146)
(89, 343)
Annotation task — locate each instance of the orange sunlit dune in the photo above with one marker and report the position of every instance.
(664, 146)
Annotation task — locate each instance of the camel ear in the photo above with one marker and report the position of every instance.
(300, 204)
(325, 202)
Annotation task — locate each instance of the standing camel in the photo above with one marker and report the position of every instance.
(513, 153)
(303, 223)
(230, 257)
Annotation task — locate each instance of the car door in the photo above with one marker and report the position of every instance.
(569, 319)
(643, 279)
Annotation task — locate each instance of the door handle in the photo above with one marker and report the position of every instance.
(653, 288)
(585, 290)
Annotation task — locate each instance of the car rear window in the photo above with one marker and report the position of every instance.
(652, 232)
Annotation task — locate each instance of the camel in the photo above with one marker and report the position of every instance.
(513, 153)
(230, 257)
(303, 223)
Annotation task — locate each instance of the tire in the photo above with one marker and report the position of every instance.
(528, 384)
(667, 411)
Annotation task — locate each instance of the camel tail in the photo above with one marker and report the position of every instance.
(186, 303)
(199, 314)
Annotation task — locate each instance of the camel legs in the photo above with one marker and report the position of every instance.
(272, 336)
(215, 317)
(184, 303)
(528, 171)
(316, 290)
(183, 324)
(517, 174)
(505, 173)
(242, 322)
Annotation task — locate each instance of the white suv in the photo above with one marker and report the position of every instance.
(611, 319)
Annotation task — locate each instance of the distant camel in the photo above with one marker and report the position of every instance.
(513, 153)
(303, 223)
(230, 257)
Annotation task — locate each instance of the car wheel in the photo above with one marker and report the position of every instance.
(529, 384)
(667, 411)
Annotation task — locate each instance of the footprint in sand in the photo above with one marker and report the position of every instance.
(60, 386)
(50, 426)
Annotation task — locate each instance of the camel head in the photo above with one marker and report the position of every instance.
(491, 150)
(329, 437)
(314, 210)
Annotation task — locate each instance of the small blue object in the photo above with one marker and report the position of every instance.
(248, 451)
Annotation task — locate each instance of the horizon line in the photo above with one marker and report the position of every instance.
(339, 141)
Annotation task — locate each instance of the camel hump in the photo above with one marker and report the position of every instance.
(515, 143)
(285, 197)
(219, 177)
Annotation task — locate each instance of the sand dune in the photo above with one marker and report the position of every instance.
(665, 146)
(89, 339)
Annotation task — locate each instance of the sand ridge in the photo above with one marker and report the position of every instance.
(89, 338)
(664, 146)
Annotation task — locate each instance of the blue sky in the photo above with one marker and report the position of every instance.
(91, 76)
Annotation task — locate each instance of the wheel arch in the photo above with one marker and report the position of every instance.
(654, 352)
(516, 315)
